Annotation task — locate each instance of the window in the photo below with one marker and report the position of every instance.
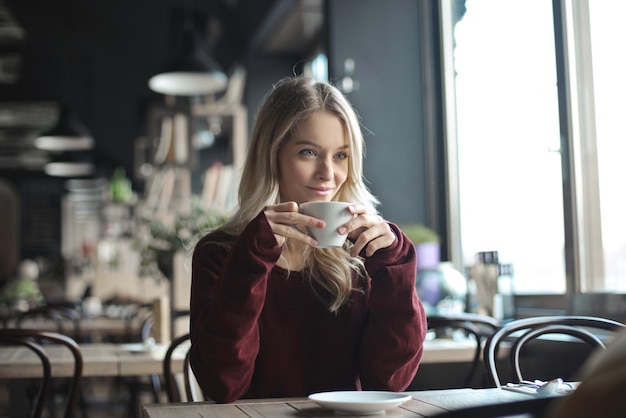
(608, 86)
(512, 171)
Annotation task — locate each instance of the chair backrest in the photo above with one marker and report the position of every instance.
(478, 326)
(32, 339)
(192, 391)
(522, 331)
(178, 320)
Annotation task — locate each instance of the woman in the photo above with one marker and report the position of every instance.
(271, 314)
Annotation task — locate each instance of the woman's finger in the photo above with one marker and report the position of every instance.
(287, 222)
(373, 233)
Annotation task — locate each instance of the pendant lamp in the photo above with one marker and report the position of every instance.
(71, 164)
(193, 71)
(68, 134)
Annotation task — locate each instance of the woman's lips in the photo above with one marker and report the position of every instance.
(322, 191)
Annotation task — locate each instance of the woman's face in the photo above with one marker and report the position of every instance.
(313, 162)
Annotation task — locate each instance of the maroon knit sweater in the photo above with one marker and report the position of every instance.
(258, 332)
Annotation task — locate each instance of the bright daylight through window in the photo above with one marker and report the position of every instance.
(609, 64)
(506, 149)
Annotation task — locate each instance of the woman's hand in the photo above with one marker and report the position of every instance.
(367, 231)
(283, 219)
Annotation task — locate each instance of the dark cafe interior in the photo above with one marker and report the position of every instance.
(489, 141)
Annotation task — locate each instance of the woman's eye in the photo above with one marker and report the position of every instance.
(341, 155)
(308, 152)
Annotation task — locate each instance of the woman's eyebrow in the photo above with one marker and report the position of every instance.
(306, 142)
(310, 143)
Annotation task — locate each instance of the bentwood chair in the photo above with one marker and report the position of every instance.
(522, 333)
(192, 391)
(146, 333)
(63, 319)
(137, 385)
(479, 327)
(33, 340)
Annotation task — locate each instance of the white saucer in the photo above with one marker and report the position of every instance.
(136, 348)
(359, 402)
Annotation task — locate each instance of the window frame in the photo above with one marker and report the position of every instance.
(581, 217)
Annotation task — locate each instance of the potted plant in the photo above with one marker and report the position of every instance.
(159, 240)
(426, 241)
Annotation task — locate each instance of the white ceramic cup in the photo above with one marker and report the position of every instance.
(334, 214)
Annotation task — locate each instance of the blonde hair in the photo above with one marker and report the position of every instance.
(292, 100)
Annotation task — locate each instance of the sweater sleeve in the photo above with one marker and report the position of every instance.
(227, 296)
(393, 338)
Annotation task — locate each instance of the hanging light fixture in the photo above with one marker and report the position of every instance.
(71, 164)
(193, 71)
(68, 134)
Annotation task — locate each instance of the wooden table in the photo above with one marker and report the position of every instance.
(99, 360)
(445, 350)
(423, 404)
(106, 359)
(97, 328)
(102, 359)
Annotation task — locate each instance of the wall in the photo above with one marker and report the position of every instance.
(263, 72)
(389, 98)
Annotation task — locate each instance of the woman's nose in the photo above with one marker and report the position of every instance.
(325, 169)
